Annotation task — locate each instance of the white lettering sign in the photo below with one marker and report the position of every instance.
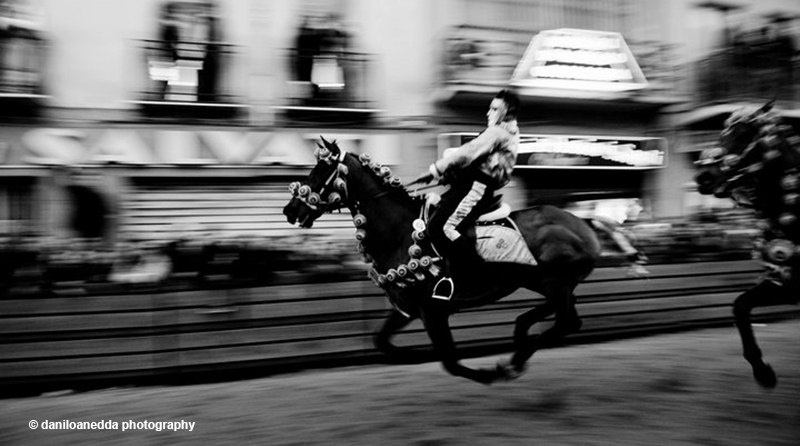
(53, 146)
(620, 153)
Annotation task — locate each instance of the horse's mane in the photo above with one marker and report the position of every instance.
(400, 193)
(750, 115)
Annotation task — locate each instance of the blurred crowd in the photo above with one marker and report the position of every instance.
(37, 266)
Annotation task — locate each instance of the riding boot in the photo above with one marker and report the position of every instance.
(462, 253)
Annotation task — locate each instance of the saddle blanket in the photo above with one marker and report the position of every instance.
(496, 243)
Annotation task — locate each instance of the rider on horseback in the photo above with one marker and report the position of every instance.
(474, 172)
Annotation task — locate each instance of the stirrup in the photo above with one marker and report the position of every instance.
(443, 289)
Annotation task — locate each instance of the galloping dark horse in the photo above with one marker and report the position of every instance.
(392, 237)
(758, 165)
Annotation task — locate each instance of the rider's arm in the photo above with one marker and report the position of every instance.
(468, 153)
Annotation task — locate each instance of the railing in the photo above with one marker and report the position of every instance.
(67, 341)
(21, 61)
(187, 71)
(754, 73)
(329, 79)
(476, 55)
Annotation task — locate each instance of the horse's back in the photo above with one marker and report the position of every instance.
(557, 236)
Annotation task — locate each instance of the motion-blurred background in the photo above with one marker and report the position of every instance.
(146, 145)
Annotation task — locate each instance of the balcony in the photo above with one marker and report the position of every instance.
(329, 86)
(22, 53)
(744, 74)
(191, 81)
(748, 74)
(477, 58)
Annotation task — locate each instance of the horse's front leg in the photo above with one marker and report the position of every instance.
(437, 325)
(382, 340)
(764, 294)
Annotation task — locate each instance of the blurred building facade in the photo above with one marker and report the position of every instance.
(190, 117)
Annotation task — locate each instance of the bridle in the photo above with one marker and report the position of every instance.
(333, 195)
(337, 184)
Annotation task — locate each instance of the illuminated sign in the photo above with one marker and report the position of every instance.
(570, 151)
(579, 60)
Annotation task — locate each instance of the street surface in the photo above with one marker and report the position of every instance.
(690, 388)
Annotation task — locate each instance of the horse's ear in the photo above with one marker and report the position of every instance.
(332, 146)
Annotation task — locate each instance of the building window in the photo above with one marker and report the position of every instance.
(185, 60)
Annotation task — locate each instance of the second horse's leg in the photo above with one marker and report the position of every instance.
(764, 294)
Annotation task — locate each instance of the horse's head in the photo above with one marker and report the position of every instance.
(738, 154)
(324, 190)
(337, 181)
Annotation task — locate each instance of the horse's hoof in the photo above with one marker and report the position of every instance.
(483, 376)
(508, 371)
(638, 271)
(765, 376)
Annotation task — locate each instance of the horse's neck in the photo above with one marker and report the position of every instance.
(770, 204)
(389, 226)
(770, 194)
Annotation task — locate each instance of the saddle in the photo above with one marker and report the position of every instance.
(497, 240)
(495, 236)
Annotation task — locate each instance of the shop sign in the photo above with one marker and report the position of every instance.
(572, 151)
(579, 60)
(148, 147)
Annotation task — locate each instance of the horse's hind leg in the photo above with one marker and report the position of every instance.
(764, 294)
(560, 301)
(524, 345)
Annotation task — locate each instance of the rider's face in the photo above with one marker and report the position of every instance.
(497, 112)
